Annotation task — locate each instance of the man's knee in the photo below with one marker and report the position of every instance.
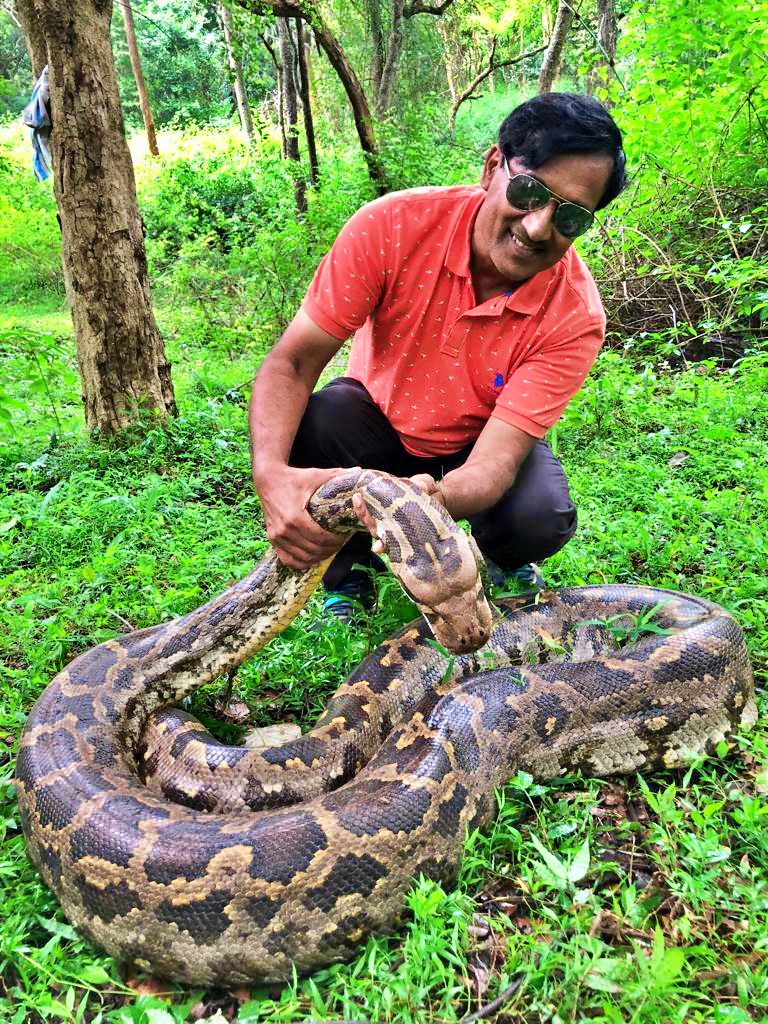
(547, 527)
(534, 519)
(512, 537)
(343, 426)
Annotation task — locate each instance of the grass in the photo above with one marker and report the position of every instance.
(638, 900)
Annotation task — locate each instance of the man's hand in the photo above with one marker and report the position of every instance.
(297, 539)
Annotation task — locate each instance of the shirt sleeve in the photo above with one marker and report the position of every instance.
(350, 280)
(536, 394)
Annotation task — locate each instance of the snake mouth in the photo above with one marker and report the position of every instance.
(462, 624)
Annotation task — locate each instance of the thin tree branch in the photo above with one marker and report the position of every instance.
(418, 7)
(481, 77)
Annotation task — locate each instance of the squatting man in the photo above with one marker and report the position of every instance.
(474, 322)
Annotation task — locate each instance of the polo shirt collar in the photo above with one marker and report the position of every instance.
(527, 297)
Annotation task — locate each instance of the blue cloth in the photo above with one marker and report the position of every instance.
(37, 117)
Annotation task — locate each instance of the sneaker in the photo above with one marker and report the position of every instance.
(526, 579)
(356, 594)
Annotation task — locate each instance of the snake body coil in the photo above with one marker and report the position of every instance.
(243, 895)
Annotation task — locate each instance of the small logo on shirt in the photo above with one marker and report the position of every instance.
(498, 381)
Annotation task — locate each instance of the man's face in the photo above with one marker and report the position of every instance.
(510, 245)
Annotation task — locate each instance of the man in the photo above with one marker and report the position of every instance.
(474, 323)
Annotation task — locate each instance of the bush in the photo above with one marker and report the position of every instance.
(30, 240)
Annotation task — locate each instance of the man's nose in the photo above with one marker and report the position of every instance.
(538, 223)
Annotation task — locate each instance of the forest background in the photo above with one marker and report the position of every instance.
(641, 900)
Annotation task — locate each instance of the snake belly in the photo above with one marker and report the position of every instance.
(246, 896)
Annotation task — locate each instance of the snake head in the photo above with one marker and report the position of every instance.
(462, 623)
(436, 563)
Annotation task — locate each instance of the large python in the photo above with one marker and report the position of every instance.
(218, 892)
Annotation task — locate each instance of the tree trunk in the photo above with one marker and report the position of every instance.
(394, 50)
(138, 75)
(607, 32)
(275, 55)
(377, 44)
(119, 348)
(450, 61)
(289, 108)
(306, 104)
(553, 58)
(308, 12)
(238, 80)
(289, 111)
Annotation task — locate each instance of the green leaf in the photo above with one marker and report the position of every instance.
(556, 866)
(155, 1016)
(579, 866)
(95, 974)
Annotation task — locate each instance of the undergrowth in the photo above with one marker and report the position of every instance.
(642, 899)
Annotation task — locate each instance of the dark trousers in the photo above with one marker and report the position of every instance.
(343, 427)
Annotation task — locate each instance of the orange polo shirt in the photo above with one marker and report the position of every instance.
(437, 364)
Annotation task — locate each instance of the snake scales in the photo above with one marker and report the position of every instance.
(404, 760)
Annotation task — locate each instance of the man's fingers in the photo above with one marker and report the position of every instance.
(300, 556)
(424, 482)
(358, 504)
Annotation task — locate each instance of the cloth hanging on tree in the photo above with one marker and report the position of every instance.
(37, 117)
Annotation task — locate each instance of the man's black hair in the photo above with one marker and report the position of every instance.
(564, 122)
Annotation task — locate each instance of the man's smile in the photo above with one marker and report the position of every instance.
(525, 246)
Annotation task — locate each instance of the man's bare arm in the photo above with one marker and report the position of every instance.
(278, 400)
(489, 472)
(485, 477)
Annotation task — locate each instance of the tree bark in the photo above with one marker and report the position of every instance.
(394, 50)
(120, 351)
(138, 75)
(275, 55)
(377, 44)
(238, 79)
(553, 58)
(289, 110)
(306, 104)
(450, 62)
(607, 33)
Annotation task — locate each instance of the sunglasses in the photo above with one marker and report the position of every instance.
(527, 193)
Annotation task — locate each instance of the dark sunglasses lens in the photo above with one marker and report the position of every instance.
(571, 220)
(525, 193)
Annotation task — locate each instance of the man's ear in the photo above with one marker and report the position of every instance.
(490, 164)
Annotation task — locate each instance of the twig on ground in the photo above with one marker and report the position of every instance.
(498, 1002)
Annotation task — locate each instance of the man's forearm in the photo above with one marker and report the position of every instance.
(489, 471)
(278, 401)
(281, 392)
(474, 488)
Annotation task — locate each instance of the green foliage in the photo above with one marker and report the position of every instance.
(642, 901)
(182, 55)
(214, 190)
(15, 72)
(38, 369)
(688, 240)
(30, 241)
(230, 257)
